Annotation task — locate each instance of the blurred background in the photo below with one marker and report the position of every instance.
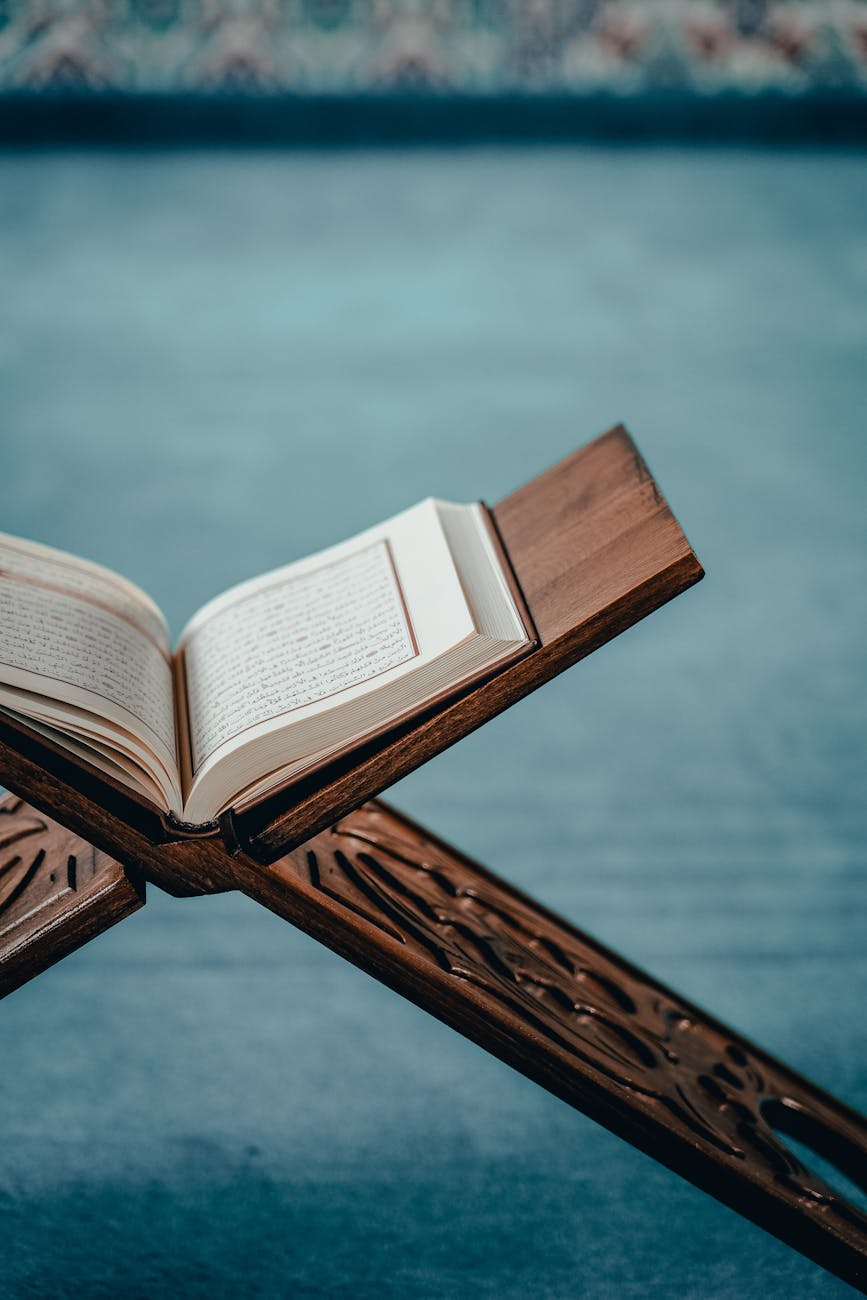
(271, 271)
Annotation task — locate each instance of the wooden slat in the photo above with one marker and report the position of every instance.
(595, 548)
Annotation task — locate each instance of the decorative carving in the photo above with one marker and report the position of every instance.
(56, 892)
(523, 983)
(617, 1031)
(33, 873)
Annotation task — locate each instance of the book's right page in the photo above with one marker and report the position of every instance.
(592, 547)
(305, 662)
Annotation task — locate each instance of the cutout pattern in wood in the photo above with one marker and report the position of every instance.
(56, 892)
(29, 879)
(603, 1035)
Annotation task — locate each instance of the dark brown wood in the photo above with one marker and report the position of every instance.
(56, 893)
(577, 1019)
(594, 548)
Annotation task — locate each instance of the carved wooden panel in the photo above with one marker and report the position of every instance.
(582, 1022)
(56, 892)
(517, 979)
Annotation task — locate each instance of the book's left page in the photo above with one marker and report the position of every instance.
(85, 659)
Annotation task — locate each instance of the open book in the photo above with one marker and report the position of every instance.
(270, 680)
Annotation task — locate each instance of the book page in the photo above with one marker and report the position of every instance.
(95, 584)
(275, 652)
(294, 642)
(77, 633)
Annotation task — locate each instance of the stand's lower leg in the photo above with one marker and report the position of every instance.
(590, 1027)
(556, 1005)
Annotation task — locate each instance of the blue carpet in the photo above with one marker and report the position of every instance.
(213, 363)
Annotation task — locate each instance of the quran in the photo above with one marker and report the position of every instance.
(270, 680)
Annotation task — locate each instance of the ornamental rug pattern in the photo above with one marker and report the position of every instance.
(480, 47)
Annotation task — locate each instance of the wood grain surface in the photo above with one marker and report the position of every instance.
(594, 548)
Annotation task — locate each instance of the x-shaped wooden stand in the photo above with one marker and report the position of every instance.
(594, 547)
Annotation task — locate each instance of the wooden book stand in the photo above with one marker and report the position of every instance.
(593, 547)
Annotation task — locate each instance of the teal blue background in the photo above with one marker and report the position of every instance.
(213, 363)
